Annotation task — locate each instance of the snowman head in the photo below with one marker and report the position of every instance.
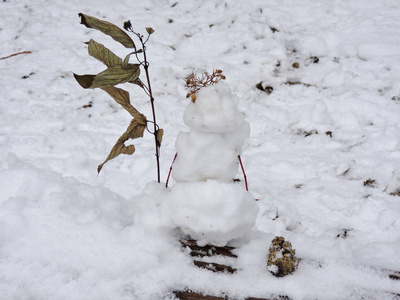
(215, 110)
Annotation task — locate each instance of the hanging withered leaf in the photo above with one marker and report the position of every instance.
(122, 97)
(84, 80)
(103, 54)
(149, 30)
(112, 76)
(135, 130)
(137, 82)
(160, 133)
(125, 62)
(108, 28)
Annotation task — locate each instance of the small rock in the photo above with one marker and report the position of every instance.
(268, 89)
(273, 29)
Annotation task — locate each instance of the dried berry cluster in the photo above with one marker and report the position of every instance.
(282, 258)
(195, 83)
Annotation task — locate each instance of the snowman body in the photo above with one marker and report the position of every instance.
(212, 208)
(211, 148)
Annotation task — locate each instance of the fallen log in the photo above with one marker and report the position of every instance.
(195, 296)
(188, 295)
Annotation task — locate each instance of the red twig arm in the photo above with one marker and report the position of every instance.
(244, 173)
(170, 170)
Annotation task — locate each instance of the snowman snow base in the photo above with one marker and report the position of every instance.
(211, 212)
(213, 209)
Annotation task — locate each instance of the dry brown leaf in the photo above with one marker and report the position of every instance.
(134, 130)
(103, 54)
(122, 97)
(160, 133)
(109, 77)
(108, 28)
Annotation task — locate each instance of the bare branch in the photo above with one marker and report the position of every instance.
(15, 54)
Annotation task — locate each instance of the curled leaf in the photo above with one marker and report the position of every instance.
(84, 80)
(109, 77)
(137, 82)
(108, 28)
(134, 130)
(103, 54)
(160, 133)
(125, 62)
(122, 97)
(149, 30)
(118, 149)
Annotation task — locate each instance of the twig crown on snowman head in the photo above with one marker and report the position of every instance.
(194, 83)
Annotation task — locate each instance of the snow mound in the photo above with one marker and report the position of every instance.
(211, 212)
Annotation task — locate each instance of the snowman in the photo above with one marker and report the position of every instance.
(206, 203)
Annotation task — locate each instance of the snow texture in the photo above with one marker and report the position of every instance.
(322, 157)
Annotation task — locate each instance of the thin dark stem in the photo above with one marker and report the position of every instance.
(147, 89)
(150, 93)
(244, 173)
(144, 87)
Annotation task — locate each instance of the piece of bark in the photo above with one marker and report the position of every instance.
(208, 250)
(214, 267)
(195, 296)
(188, 295)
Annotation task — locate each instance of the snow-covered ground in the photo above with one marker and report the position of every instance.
(323, 155)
